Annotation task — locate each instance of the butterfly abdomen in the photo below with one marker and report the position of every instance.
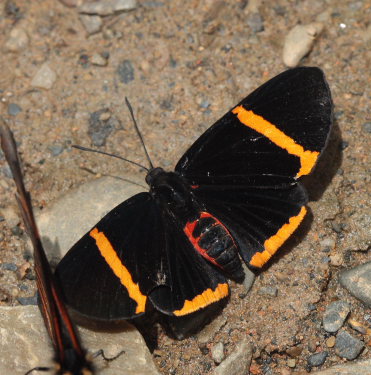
(214, 242)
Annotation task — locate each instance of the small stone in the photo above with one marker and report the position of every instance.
(255, 21)
(317, 359)
(291, 363)
(330, 342)
(71, 3)
(126, 71)
(14, 109)
(9, 267)
(25, 301)
(299, 41)
(335, 315)
(348, 346)
(99, 60)
(238, 362)
(217, 352)
(92, 24)
(336, 260)
(358, 282)
(268, 291)
(99, 129)
(10, 215)
(350, 368)
(44, 78)
(367, 127)
(358, 326)
(107, 7)
(294, 351)
(248, 281)
(18, 40)
(327, 243)
(56, 149)
(208, 332)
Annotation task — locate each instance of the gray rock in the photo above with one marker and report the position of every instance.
(268, 291)
(25, 301)
(358, 282)
(317, 359)
(14, 109)
(44, 77)
(335, 315)
(299, 41)
(357, 368)
(18, 40)
(125, 71)
(248, 281)
(56, 149)
(238, 362)
(347, 346)
(62, 224)
(255, 21)
(367, 127)
(217, 352)
(25, 344)
(208, 332)
(107, 7)
(101, 125)
(92, 24)
(9, 267)
(99, 60)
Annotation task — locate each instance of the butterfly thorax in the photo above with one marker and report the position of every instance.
(173, 193)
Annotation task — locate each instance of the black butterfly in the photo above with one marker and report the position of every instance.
(234, 194)
(70, 357)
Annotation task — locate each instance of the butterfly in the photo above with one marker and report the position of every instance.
(234, 196)
(69, 355)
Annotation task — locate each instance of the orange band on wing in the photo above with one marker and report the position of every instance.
(272, 244)
(110, 255)
(262, 126)
(204, 299)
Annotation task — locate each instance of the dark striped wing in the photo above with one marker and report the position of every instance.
(245, 167)
(134, 254)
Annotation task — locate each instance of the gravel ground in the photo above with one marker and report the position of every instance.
(63, 79)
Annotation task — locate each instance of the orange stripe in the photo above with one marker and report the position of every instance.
(262, 126)
(272, 244)
(110, 255)
(204, 299)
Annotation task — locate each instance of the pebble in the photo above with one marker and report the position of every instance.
(99, 129)
(317, 359)
(9, 267)
(351, 368)
(358, 326)
(335, 315)
(208, 332)
(330, 342)
(217, 352)
(25, 344)
(358, 282)
(11, 216)
(99, 60)
(56, 149)
(126, 71)
(71, 3)
(255, 22)
(248, 281)
(14, 109)
(299, 41)
(25, 301)
(44, 77)
(348, 346)
(291, 363)
(268, 291)
(92, 24)
(294, 351)
(367, 127)
(238, 362)
(18, 40)
(107, 7)
(336, 260)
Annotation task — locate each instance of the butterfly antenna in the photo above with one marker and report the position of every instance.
(108, 154)
(138, 132)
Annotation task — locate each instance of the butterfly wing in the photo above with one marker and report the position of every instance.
(131, 255)
(245, 167)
